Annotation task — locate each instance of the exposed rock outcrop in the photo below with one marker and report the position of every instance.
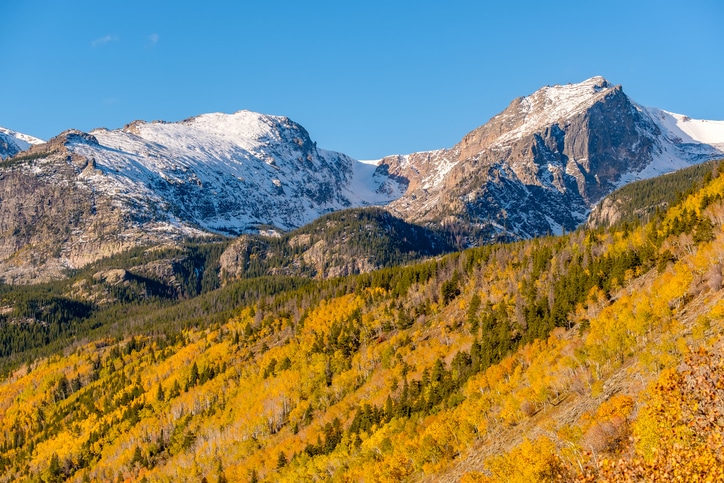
(84, 196)
(539, 166)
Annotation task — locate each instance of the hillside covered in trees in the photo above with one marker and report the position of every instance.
(147, 284)
(594, 356)
(641, 200)
(341, 243)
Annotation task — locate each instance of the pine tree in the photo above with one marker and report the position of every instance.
(54, 469)
(194, 376)
(281, 460)
(137, 456)
(472, 316)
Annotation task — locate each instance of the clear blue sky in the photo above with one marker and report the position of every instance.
(366, 78)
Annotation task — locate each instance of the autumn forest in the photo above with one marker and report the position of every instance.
(593, 356)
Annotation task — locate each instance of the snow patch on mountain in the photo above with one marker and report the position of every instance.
(683, 142)
(684, 129)
(552, 103)
(373, 162)
(13, 142)
(368, 186)
(229, 173)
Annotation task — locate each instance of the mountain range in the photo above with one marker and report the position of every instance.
(189, 329)
(538, 167)
(594, 356)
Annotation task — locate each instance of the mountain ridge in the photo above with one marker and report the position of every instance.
(536, 168)
(234, 149)
(13, 142)
(556, 152)
(338, 244)
(157, 183)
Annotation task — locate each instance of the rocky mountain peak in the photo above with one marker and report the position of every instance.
(73, 136)
(538, 111)
(247, 127)
(599, 82)
(541, 164)
(133, 127)
(538, 167)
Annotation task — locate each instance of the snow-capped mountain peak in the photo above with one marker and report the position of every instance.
(228, 173)
(12, 142)
(562, 146)
(549, 105)
(537, 167)
(156, 182)
(244, 129)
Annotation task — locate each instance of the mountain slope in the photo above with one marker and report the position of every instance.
(540, 165)
(83, 196)
(520, 362)
(11, 142)
(338, 244)
(641, 200)
(228, 173)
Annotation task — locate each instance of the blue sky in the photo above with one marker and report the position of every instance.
(366, 78)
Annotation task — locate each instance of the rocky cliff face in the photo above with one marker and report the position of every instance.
(540, 165)
(83, 196)
(605, 213)
(52, 218)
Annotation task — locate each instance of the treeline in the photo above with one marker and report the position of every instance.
(389, 375)
(371, 235)
(59, 318)
(142, 302)
(536, 311)
(47, 316)
(641, 200)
